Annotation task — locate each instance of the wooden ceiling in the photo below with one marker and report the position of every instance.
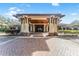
(39, 21)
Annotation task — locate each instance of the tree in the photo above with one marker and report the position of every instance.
(6, 22)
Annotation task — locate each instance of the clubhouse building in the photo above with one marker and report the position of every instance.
(32, 23)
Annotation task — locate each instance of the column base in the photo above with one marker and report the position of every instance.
(24, 34)
(53, 34)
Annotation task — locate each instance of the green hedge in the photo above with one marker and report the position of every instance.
(69, 31)
(3, 29)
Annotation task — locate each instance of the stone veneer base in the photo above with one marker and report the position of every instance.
(53, 34)
(24, 34)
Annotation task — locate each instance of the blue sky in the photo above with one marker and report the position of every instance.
(70, 10)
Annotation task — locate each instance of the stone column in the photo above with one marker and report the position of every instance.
(24, 25)
(44, 27)
(47, 28)
(33, 27)
(53, 26)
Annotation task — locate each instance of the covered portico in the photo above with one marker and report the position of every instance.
(31, 23)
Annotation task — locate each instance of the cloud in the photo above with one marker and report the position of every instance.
(12, 11)
(73, 14)
(55, 4)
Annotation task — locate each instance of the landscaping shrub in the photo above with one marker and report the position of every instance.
(69, 31)
(3, 29)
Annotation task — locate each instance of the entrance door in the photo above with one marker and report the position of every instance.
(39, 28)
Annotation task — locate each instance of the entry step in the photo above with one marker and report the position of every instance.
(38, 35)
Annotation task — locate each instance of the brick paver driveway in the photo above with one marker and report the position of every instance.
(23, 46)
